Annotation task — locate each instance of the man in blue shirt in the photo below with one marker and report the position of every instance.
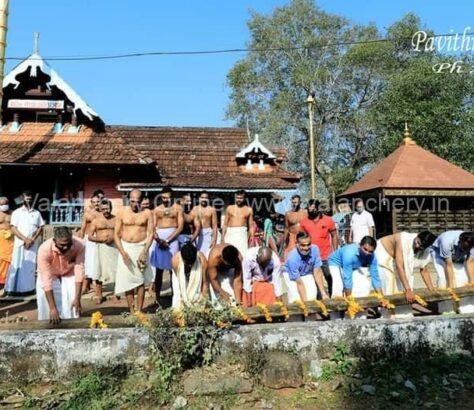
(346, 267)
(302, 271)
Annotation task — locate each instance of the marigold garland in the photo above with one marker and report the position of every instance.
(455, 297)
(283, 309)
(385, 303)
(352, 307)
(246, 318)
(97, 321)
(179, 318)
(420, 301)
(303, 307)
(322, 306)
(265, 311)
(142, 318)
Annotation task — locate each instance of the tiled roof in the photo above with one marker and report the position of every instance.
(203, 157)
(412, 167)
(36, 143)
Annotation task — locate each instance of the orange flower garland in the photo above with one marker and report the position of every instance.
(420, 301)
(265, 311)
(283, 309)
(353, 307)
(385, 303)
(322, 306)
(142, 319)
(303, 307)
(453, 295)
(179, 318)
(246, 318)
(97, 321)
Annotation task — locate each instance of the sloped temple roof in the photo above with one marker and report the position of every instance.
(412, 167)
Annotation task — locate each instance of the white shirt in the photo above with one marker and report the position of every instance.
(360, 224)
(27, 221)
(253, 271)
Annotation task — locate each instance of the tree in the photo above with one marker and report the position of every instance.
(300, 49)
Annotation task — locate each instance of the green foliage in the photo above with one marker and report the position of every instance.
(340, 364)
(363, 92)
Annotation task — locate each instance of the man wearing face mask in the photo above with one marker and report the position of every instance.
(207, 217)
(27, 225)
(348, 269)
(189, 277)
(60, 276)
(302, 271)
(191, 225)
(323, 232)
(362, 223)
(398, 256)
(6, 240)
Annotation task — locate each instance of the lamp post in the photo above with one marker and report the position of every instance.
(310, 102)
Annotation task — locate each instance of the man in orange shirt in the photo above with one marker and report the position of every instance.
(60, 276)
(323, 232)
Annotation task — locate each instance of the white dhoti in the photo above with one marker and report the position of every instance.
(90, 257)
(361, 286)
(129, 277)
(238, 237)
(186, 291)
(466, 305)
(161, 258)
(64, 291)
(309, 285)
(105, 263)
(21, 274)
(226, 280)
(204, 241)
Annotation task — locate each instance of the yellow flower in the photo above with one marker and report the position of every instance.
(265, 311)
(322, 306)
(246, 318)
(353, 307)
(420, 301)
(454, 295)
(303, 307)
(142, 318)
(97, 321)
(385, 303)
(283, 309)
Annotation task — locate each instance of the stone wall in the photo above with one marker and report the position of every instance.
(60, 354)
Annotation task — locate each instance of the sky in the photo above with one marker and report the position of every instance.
(174, 90)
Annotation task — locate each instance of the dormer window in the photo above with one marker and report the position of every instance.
(256, 156)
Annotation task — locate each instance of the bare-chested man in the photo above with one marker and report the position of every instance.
(102, 233)
(292, 224)
(133, 236)
(6, 240)
(224, 269)
(207, 217)
(168, 225)
(90, 213)
(238, 224)
(191, 225)
(398, 256)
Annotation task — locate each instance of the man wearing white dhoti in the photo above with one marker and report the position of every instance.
(102, 233)
(60, 276)
(398, 256)
(133, 236)
(90, 213)
(354, 270)
(169, 222)
(453, 258)
(207, 218)
(238, 223)
(224, 270)
(189, 277)
(27, 226)
(302, 271)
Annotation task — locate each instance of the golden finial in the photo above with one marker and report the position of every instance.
(407, 134)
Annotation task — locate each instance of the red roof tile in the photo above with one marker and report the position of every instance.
(412, 167)
(36, 143)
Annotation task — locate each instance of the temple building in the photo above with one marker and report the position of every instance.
(413, 189)
(54, 143)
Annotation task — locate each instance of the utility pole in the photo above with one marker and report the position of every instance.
(3, 46)
(310, 102)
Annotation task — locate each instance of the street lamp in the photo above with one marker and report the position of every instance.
(310, 102)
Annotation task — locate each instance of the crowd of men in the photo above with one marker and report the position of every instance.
(246, 262)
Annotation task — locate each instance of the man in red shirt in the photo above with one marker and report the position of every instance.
(323, 232)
